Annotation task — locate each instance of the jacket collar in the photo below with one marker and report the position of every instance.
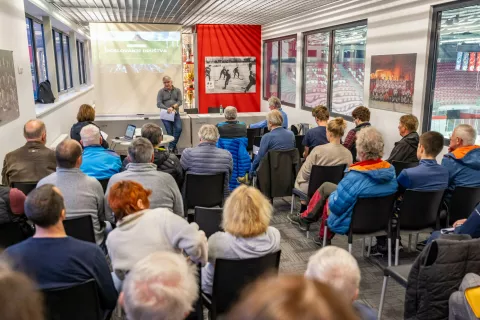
(37, 144)
(461, 152)
(428, 161)
(141, 167)
(131, 217)
(206, 144)
(93, 146)
(73, 170)
(365, 124)
(370, 165)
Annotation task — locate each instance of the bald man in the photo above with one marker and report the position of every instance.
(31, 162)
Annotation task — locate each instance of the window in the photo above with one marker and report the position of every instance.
(81, 62)
(63, 61)
(454, 69)
(280, 63)
(334, 68)
(36, 47)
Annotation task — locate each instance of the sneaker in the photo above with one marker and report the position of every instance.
(244, 179)
(374, 251)
(319, 241)
(297, 220)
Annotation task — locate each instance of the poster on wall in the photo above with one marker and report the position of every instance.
(392, 82)
(230, 75)
(9, 109)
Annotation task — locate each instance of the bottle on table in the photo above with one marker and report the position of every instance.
(221, 109)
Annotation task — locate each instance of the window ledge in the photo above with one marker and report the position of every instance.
(63, 98)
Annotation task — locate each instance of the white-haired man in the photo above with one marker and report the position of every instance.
(337, 268)
(161, 286)
(98, 162)
(274, 104)
(463, 159)
(170, 98)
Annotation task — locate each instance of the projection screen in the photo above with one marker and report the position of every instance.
(129, 62)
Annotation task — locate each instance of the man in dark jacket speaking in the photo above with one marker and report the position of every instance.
(170, 98)
(405, 150)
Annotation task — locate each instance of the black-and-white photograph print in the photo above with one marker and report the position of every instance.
(230, 74)
(9, 109)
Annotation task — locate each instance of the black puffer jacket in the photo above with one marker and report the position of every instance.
(405, 150)
(77, 127)
(166, 162)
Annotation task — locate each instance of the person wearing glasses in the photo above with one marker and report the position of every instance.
(170, 99)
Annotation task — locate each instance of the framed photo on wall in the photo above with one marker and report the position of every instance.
(230, 74)
(9, 109)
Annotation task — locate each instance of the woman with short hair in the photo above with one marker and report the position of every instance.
(246, 219)
(85, 116)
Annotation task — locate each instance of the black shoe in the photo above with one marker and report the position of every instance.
(319, 241)
(297, 220)
(374, 251)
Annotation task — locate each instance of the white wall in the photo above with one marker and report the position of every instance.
(394, 27)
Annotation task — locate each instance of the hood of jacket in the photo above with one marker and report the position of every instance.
(141, 167)
(160, 155)
(377, 170)
(264, 244)
(412, 139)
(468, 156)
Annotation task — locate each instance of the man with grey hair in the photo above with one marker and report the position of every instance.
(161, 286)
(337, 268)
(165, 160)
(463, 160)
(170, 98)
(165, 192)
(98, 162)
(206, 158)
(274, 104)
(33, 161)
(231, 128)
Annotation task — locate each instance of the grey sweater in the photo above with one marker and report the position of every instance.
(166, 98)
(82, 195)
(165, 192)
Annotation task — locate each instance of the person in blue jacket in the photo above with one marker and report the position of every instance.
(470, 226)
(274, 104)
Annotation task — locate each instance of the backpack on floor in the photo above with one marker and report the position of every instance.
(44, 92)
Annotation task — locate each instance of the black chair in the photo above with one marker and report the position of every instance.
(25, 187)
(257, 140)
(370, 217)
(399, 274)
(203, 190)
(463, 202)
(10, 234)
(191, 110)
(78, 302)
(251, 134)
(209, 219)
(213, 109)
(419, 212)
(318, 176)
(80, 227)
(231, 276)
(299, 145)
(400, 165)
(104, 183)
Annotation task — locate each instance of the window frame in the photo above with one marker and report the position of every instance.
(81, 62)
(34, 48)
(436, 21)
(64, 76)
(331, 30)
(31, 21)
(279, 82)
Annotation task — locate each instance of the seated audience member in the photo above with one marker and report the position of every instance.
(246, 219)
(278, 138)
(165, 160)
(12, 210)
(54, 260)
(82, 194)
(141, 231)
(98, 162)
(31, 162)
(470, 226)
(405, 150)
(233, 138)
(291, 297)
(274, 104)
(371, 177)
(161, 286)
(165, 192)
(339, 269)
(19, 297)
(85, 116)
(463, 159)
(206, 158)
(317, 136)
(361, 118)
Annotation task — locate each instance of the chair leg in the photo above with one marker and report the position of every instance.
(369, 247)
(293, 204)
(382, 297)
(325, 230)
(363, 247)
(350, 248)
(308, 234)
(415, 243)
(389, 243)
(409, 242)
(397, 246)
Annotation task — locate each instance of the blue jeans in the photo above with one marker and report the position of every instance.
(174, 129)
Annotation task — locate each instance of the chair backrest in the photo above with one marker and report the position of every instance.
(213, 109)
(209, 219)
(25, 187)
(371, 214)
(104, 183)
(299, 145)
(257, 140)
(231, 276)
(204, 190)
(191, 110)
(80, 227)
(78, 302)
(10, 234)
(419, 209)
(400, 165)
(464, 200)
(321, 174)
(251, 134)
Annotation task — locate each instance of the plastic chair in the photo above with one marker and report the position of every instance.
(25, 187)
(419, 212)
(78, 302)
(191, 110)
(400, 165)
(251, 134)
(213, 109)
(10, 234)
(231, 276)
(104, 184)
(209, 219)
(463, 202)
(399, 274)
(80, 227)
(299, 145)
(203, 190)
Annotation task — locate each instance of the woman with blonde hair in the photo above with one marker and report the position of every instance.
(85, 116)
(246, 219)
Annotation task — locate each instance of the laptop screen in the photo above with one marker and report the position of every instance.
(130, 132)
